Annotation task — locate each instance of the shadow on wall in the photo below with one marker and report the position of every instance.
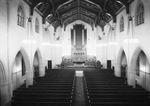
(4, 94)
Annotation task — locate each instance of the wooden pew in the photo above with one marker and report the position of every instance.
(55, 89)
(104, 89)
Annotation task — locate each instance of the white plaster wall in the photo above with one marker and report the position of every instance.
(98, 43)
(56, 47)
(141, 33)
(24, 37)
(47, 43)
(107, 45)
(5, 74)
(129, 40)
(3, 34)
(52, 48)
(14, 38)
(120, 39)
(66, 41)
(17, 34)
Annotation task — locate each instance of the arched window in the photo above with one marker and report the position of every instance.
(20, 15)
(121, 24)
(140, 13)
(37, 25)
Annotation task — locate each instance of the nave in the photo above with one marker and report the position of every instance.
(60, 87)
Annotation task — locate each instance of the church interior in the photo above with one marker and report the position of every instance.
(74, 53)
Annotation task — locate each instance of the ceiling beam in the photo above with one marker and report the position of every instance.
(79, 17)
(53, 6)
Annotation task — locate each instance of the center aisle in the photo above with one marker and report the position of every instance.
(79, 93)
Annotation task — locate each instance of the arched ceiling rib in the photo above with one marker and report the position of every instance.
(79, 17)
(64, 12)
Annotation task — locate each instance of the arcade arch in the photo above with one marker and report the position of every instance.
(140, 68)
(2, 83)
(122, 64)
(37, 64)
(21, 67)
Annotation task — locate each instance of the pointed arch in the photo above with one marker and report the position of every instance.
(2, 74)
(21, 69)
(3, 84)
(122, 24)
(142, 69)
(21, 15)
(37, 25)
(109, 34)
(39, 55)
(119, 59)
(26, 58)
(134, 57)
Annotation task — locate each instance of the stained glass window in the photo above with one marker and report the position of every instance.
(37, 25)
(140, 14)
(121, 24)
(20, 15)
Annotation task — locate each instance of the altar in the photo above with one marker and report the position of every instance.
(78, 64)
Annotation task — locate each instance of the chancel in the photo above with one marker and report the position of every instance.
(78, 39)
(74, 53)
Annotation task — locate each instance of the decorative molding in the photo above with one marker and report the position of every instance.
(68, 14)
(88, 13)
(81, 11)
(66, 6)
(78, 17)
(91, 5)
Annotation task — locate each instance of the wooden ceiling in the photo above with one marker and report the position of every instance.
(94, 12)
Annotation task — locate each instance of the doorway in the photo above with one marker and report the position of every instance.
(108, 64)
(36, 65)
(123, 65)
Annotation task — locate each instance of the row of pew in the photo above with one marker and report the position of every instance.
(54, 89)
(104, 89)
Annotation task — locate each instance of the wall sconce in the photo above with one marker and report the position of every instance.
(103, 33)
(130, 18)
(29, 19)
(45, 29)
(99, 38)
(58, 38)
